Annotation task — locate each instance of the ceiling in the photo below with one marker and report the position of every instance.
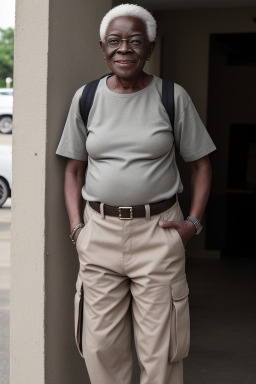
(189, 4)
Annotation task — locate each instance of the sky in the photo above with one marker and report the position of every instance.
(7, 13)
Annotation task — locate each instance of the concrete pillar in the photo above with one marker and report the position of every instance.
(56, 51)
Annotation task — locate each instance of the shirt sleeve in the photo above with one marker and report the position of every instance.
(73, 140)
(191, 136)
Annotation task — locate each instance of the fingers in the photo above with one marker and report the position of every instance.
(169, 224)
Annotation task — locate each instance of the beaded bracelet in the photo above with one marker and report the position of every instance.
(74, 230)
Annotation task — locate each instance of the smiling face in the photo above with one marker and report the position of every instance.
(127, 61)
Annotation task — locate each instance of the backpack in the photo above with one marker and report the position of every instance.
(89, 90)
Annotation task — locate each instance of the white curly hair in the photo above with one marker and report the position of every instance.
(129, 10)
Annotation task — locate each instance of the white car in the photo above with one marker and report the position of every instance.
(6, 103)
(5, 172)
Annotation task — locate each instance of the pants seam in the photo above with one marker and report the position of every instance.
(123, 351)
(136, 341)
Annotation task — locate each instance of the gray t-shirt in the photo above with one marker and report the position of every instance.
(130, 148)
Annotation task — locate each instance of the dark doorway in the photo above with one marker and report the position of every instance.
(231, 120)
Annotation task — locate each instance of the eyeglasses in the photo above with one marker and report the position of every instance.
(134, 42)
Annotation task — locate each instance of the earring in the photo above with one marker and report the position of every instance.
(148, 58)
(104, 57)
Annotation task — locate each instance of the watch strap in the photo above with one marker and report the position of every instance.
(196, 223)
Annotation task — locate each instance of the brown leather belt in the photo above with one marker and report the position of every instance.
(128, 213)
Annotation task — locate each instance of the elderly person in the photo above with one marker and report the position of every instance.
(132, 236)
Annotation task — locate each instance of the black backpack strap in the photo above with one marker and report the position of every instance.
(86, 100)
(168, 101)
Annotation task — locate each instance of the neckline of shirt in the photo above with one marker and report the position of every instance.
(116, 94)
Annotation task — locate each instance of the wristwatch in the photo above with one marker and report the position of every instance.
(196, 223)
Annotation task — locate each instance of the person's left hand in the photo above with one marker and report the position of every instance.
(185, 229)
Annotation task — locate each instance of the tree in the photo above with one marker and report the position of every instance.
(6, 54)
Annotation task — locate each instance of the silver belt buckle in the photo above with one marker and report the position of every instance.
(123, 210)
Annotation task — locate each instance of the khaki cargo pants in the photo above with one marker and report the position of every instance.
(132, 276)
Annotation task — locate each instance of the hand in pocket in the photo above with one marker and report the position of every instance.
(185, 229)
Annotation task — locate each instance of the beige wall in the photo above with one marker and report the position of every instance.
(28, 193)
(56, 51)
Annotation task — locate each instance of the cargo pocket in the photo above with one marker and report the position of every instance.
(180, 321)
(79, 305)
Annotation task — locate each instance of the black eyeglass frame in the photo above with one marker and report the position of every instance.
(129, 44)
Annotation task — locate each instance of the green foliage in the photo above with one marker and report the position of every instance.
(6, 54)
